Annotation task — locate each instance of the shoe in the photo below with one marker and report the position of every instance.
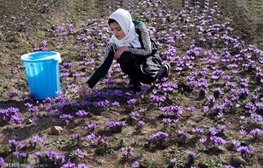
(167, 70)
(136, 88)
(133, 83)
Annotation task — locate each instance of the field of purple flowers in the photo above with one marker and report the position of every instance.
(208, 114)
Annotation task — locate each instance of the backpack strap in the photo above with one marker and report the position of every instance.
(153, 43)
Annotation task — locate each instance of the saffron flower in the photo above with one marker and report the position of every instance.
(217, 140)
(91, 127)
(243, 132)
(69, 165)
(228, 166)
(213, 131)
(83, 165)
(115, 104)
(2, 162)
(82, 113)
(191, 109)
(198, 131)
(13, 144)
(245, 150)
(141, 123)
(65, 117)
(173, 161)
(132, 102)
(236, 143)
(135, 115)
(256, 133)
(17, 120)
(205, 109)
(127, 153)
(159, 136)
(256, 117)
(183, 134)
(116, 126)
(222, 128)
(203, 140)
(79, 153)
(191, 154)
(136, 164)
(35, 140)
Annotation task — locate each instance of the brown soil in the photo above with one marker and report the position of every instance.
(245, 23)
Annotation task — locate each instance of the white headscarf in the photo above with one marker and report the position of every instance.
(124, 19)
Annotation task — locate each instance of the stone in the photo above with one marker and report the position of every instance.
(28, 121)
(239, 160)
(56, 130)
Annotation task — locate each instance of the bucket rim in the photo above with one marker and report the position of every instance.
(56, 56)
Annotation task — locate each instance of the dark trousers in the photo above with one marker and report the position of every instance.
(138, 69)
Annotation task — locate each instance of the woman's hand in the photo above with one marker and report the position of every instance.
(118, 53)
(84, 91)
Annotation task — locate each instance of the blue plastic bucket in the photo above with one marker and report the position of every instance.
(42, 72)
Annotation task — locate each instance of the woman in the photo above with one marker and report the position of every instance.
(131, 46)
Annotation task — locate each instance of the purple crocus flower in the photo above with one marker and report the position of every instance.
(2, 162)
(228, 166)
(135, 115)
(115, 104)
(173, 161)
(16, 154)
(191, 154)
(203, 140)
(69, 165)
(37, 139)
(236, 143)
(65, 117)
(112, 124)
(51, 154)
(251, 107)
(213, 130)
(124, 153)
(13, 144)
(91, 136)
(256, 132)
(222, 128)
(23, 155)
(217, 140)
(91, 127)
(245, 150)
(157, 99)
(12, 94)
(82, 113)
(141, 123)
(191, 109)
(75, 137)
(205, 109)
(183, 133)
(198, 130)
(132, 102)
(256, 117)
(79, 153)
(136, 164)
(83, 165)
(38, 154)
(243, 132)
(17, 120)
(158, 136)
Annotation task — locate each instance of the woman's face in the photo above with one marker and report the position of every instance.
(117, 30)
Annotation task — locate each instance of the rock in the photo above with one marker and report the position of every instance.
(239, 160)
(55, 130)
(28, 121)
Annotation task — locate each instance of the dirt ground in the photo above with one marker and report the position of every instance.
(245, 22)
